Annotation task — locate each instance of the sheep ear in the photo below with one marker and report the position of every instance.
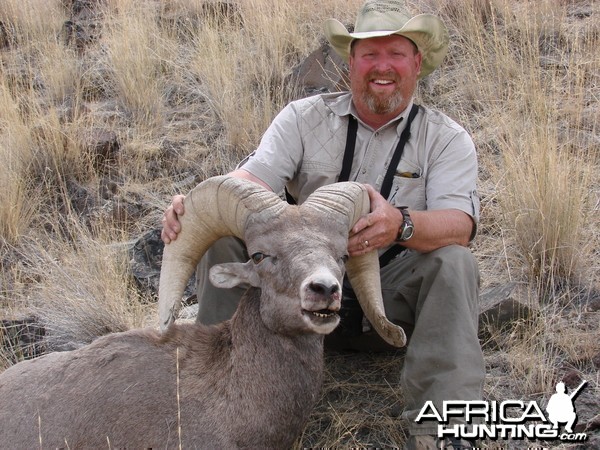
(229, 275)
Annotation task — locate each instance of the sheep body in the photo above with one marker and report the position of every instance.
(95, 385)
(249, 382)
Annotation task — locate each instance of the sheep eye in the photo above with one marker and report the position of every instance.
(258, 257)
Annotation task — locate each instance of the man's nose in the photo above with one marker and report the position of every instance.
(383, 64)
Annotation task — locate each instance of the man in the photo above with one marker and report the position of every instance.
(560, 408)
(428, 202)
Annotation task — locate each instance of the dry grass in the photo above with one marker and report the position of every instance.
(189, 86)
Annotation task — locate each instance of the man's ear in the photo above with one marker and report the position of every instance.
(229, 275)
(419, 61)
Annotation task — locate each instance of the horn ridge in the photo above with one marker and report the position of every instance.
(347, 198)
(217, 207)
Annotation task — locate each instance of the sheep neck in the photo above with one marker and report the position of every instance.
(286, 370)
(253, 343)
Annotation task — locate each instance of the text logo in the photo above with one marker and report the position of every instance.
(510, 419)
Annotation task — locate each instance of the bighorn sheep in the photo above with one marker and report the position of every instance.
(248, 382)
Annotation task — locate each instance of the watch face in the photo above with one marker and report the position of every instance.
(407, 232)
(407, 229)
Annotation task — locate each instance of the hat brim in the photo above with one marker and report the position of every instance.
(427, 32)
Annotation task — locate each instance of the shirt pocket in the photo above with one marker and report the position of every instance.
(408, 187)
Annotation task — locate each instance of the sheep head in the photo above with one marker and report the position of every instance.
(295, 255)
(296, 252)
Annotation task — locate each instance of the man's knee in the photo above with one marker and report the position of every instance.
(457, 262)
(456, 255)
(455, 278)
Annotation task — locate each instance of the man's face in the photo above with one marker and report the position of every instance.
(383, 74)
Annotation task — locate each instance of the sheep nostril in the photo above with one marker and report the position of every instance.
(324, 289)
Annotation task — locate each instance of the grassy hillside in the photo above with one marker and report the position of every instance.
(109, 107)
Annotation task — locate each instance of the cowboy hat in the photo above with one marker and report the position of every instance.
(377, 18)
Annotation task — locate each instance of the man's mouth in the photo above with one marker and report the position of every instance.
(382, 82)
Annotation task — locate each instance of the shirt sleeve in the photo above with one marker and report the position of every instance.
(452, 176)
(279, 155)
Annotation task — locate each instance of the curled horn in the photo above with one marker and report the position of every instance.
(352, 200)
(217, 207)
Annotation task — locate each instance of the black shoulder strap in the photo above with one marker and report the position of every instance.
(349, 150)
(386, 186)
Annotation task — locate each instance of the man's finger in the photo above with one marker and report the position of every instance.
(360, 224)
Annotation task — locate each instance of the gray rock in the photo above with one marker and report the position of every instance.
(322, 71)
(503, 304)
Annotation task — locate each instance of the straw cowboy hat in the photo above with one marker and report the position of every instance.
(378, 18)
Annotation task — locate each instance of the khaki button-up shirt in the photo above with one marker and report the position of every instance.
(304, 147)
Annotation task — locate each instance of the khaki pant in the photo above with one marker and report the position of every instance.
(434, 296)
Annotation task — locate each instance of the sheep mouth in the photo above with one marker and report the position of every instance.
(321, 315)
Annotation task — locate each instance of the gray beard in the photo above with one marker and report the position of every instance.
(383, 106)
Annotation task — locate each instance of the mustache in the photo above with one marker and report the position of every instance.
(387, 75)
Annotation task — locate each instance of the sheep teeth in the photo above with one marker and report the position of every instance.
(323, 315)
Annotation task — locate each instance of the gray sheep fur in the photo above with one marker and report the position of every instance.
(121, 390)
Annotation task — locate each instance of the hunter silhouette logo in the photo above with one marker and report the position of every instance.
(560, 407)
(510, 419)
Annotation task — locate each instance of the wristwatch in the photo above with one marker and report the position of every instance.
(407, 229)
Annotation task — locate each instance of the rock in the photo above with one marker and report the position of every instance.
(504, 304)
(186, 20)
(83, 200)
(145, 260)
(21, 338)
(102, 145)
(83, 27)
(78, 34)
(572, 378)
(321, 71)
(84, 9)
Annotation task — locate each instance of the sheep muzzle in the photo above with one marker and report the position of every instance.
(320, 300)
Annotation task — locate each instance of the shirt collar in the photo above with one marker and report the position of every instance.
(342, 105)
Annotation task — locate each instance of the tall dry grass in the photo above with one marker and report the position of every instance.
(136, 55)
(14, 215)
(529, 75)
(189, 86)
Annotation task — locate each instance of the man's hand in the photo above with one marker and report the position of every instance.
(170, 220)
(433, 229)
(378, 229)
